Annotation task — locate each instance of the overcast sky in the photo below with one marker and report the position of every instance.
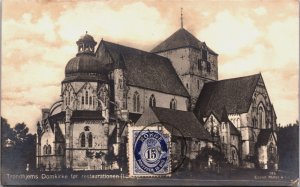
(38, 39)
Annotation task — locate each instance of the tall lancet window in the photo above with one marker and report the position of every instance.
(59, 150)
(45, 149)
(49, 150)
(204, 54)
(136, 102)
(86, 97)
(261, 117)
(82, 139)
(90, 100)
(152, 101)
(173, 104)
(82, 100)
(90, 139)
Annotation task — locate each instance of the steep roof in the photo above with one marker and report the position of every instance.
(77, 114)
(235, 94)
(233, 129)
(180, 39)
(224, 118)
(263, 137)
(134, 116)
(147, 70)
(185, 122)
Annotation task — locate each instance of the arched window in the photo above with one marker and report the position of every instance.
(272, 148)
(208, 67)
(198, 84)
(59, 150)
(261, 117)
(136, 102)
(173, 104)
(90, 140)
(204, 54)
(90, 100)
(86, 97)
(45, 149)
(82, 100)
(152, 101)
(82, 139)
(187, 85)
(49, 150)
(234, 155)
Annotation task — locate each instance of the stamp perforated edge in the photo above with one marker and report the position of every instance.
(130, 149)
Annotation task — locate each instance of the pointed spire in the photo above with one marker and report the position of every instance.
(181, 18)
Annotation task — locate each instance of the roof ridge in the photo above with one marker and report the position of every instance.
(181, 38)
(228, 79)
(132, 48)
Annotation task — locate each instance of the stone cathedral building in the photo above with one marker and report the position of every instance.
(108, 87)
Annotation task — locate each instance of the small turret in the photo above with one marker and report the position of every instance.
(86, 44)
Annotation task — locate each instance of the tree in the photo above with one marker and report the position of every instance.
(6, 131)
(20, 133)
(21, 152)
(288, 147)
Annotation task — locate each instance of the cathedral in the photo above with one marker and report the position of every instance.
(108, 87)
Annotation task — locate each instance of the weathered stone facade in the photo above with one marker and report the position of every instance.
(194, 68)
(106, 90)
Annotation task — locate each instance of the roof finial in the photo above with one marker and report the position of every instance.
(181, 18)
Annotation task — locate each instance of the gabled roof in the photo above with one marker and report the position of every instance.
(224, 118)
(146, 70)
(134, 117)
(233, 129)
(180, 39)
(263, 137)
(77, 114)
(184, 121)
(235, 94)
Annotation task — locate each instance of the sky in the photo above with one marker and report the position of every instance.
(38, 39)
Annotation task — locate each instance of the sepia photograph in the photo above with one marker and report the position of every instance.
(149, 92)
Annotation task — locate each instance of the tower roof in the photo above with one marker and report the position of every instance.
(180, 39)
(85, 66)
(86, 44)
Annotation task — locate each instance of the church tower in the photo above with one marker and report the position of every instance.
(85, 97)
(194, 62)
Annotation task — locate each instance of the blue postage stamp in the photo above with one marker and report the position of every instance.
(149, 152)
